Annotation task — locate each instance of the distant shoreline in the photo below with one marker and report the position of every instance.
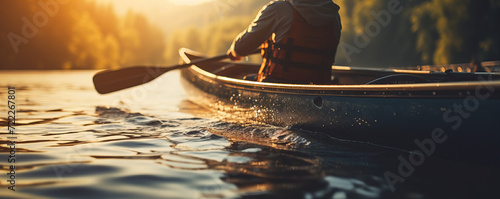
(33, 69)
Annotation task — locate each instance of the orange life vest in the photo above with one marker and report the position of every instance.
(305, 55)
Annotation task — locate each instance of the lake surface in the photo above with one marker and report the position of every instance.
(150, 142)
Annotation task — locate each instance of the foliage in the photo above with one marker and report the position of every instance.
(457, 31)
(86, 35)
(213, 39)
(228, 19)
(425, 32)
(75, 35)
(392, 44)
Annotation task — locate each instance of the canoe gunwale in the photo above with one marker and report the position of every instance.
(416, 90)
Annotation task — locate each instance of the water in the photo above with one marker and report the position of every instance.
(149, 142)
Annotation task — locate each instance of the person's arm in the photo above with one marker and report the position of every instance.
(257, 33)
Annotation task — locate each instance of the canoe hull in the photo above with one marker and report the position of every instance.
(460, 126)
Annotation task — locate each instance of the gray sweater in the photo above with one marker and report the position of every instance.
(275, 19)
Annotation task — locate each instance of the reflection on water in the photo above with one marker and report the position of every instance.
(148, 142)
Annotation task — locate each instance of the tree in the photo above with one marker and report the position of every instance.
(457, 31)
(74, 35)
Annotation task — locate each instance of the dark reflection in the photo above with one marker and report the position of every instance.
(331, 168)
(271, 171)
(331, 171)
(213, 159)
(300, 164)
(300, 172)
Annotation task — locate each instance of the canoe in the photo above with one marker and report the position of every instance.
(448, 114)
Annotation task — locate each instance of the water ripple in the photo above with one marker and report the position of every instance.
(76, 147)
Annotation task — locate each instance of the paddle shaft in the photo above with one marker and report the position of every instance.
(109, 81)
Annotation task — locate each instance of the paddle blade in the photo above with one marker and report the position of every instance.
(114, 80)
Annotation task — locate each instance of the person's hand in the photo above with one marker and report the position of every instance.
(231, 55)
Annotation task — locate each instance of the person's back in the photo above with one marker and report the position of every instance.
(300, 40)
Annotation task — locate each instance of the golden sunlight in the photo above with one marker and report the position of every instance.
(122, 6)
(189, 2)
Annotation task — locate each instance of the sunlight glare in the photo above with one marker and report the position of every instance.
(123, 6)
(188, 2)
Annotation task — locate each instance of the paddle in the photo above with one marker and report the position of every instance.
(109, 81)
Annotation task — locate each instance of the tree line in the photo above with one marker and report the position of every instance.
(423, 32)
(63, 34)
(416, 32)
(385, 33)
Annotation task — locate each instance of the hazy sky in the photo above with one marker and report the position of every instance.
(153, 9)
(122, 6)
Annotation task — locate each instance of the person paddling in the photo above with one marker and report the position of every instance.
(299, 40)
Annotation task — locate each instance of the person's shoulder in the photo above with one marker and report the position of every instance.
(278, 6)
(279, 3)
